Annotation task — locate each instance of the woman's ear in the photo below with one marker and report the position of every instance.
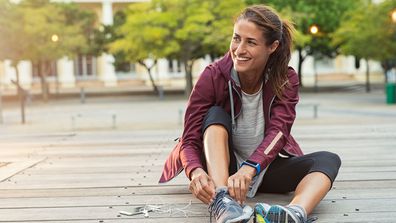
(274, 46)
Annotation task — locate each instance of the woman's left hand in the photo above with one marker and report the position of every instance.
(238, 184)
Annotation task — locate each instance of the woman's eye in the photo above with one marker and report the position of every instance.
(235, 39)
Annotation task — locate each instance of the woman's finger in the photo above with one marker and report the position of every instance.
(231, 189)
(243, 191)
(212, 190)
(203, 187)
(237, 188)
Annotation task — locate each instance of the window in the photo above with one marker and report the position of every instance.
(174, 66)
(49, 67)
(85, 66)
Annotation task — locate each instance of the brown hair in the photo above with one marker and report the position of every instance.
(273, 29)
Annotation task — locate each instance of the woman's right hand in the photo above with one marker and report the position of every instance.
(202, 186)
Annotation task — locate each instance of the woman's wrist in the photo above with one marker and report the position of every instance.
(195, 172)
(251, 171)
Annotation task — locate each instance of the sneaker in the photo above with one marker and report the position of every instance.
(265, 213)
(226, 210)
(260, 212)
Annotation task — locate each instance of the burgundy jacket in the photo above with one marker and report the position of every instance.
(218, 85)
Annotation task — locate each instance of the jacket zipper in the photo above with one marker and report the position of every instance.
(240, 99)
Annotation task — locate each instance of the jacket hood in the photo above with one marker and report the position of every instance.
(225, 64)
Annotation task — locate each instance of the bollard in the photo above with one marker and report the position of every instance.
(114, 121)
(315, 111)
(82, 95)
(73, 123)
(160, 92)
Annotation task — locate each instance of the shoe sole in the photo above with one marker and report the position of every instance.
(280, 214)
(245, 217)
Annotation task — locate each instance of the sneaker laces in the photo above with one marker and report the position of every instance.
(217, 207)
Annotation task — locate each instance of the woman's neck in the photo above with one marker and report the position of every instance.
(250, 84)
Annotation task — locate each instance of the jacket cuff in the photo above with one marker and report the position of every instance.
(190, 167)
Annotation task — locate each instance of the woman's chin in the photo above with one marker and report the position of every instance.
(239, 68)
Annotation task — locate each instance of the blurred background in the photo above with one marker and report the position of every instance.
(51, 50)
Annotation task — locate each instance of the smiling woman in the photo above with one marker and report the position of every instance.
(236, 140)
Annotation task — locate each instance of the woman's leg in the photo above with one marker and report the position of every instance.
(311, 190)
(217, 157)
(310, 176)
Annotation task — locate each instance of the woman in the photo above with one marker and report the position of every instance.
(236, 138)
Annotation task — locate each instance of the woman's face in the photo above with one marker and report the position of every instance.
(248, 48)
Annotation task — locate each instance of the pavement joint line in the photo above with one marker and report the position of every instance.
(18, 166)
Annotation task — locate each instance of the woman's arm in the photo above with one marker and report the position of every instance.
(201, 100)
(282, 116)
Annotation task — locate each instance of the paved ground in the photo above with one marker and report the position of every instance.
(76, 162)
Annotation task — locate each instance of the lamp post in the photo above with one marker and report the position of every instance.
(314, 30)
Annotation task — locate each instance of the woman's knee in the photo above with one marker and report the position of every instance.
(326, 162)
(215, 130)
(329, 157)
(216, 120)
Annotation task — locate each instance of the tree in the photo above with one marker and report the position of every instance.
(40, 31)
(182, 30)
(324, 14)
(145, 35)
(217, 40)
(13, 44)
(363, 29)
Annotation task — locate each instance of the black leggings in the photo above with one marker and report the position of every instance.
(283, 174)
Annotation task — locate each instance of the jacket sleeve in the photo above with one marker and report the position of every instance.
(282, 116)
(201, 99)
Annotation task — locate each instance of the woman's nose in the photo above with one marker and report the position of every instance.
(240, 49)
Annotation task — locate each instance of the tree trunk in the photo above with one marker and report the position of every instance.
(367, 76)
(155, 88)
(20, 92)
(189, 80)
(301, 59)
(43, 81)
(14, 65)
(386, 68)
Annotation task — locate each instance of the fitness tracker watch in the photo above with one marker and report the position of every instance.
(252, 164)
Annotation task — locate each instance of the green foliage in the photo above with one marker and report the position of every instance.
(179, 29)
(144, 34)
(42, 31)
(326, 15)
(27, 29)
(365, 28)
(12, 38)
(217, 40)
(84, 20)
